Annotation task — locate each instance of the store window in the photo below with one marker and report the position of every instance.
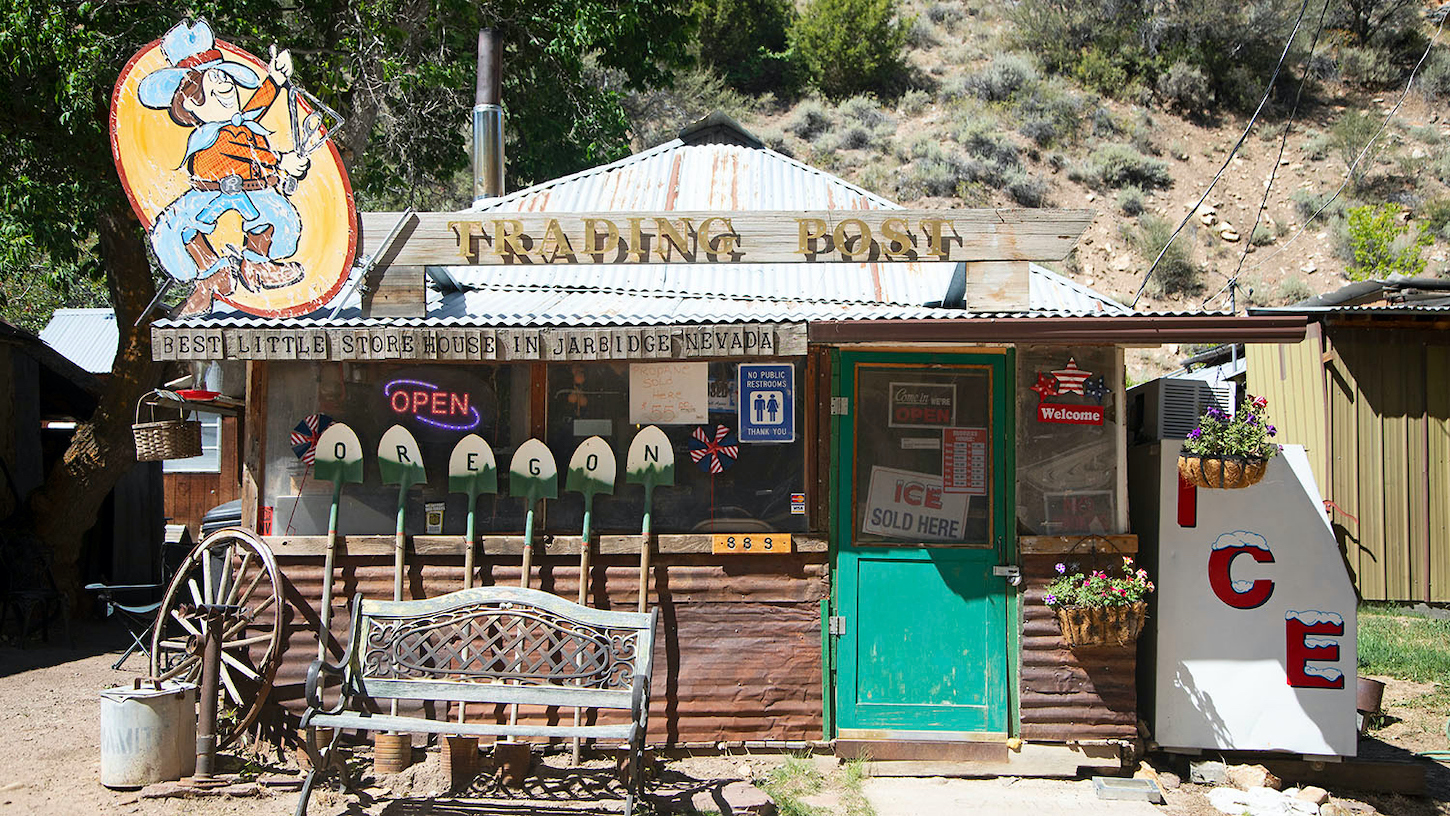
(1068, 433)
(741, 487)
(924, 455)
(210, 460)
(438, 404)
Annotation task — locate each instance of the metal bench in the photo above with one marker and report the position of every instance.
(492, 645)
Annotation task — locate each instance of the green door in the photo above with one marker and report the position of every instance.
(921, 498)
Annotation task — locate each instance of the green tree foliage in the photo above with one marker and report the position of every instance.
(851, 46)
(1383, 245)
(401, 73)
(1216, 51)
(747, 42)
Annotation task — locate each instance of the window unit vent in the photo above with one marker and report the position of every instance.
(1169, 408)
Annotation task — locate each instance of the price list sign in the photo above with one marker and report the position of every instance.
(964, 461)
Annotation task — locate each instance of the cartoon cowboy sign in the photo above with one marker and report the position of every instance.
(233, 205)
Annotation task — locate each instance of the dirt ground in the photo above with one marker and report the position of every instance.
(51, 726)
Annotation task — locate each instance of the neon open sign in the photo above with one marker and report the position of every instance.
(432, 405)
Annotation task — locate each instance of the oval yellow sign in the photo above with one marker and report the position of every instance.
(242, 193)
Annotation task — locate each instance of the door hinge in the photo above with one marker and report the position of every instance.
(840, 406)
(836, 625)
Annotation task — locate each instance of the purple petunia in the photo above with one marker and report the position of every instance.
(1195, 433)
(1050, 598)
(1061, 568)
(1272, 430)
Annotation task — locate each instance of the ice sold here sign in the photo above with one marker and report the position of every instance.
(913, 506)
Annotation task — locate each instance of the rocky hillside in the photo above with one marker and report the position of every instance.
(984, 125)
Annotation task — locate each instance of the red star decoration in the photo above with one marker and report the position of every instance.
(1046, 385)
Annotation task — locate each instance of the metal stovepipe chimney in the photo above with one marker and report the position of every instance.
(488, 118)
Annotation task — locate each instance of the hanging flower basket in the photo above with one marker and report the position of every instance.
(1229, 451)
(1228, 472)
(1102, 625)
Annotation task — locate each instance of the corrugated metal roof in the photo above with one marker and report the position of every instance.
(86, 337)
(683, 175)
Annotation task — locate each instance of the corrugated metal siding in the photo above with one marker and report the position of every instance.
(1291, 378)
(1071, 693)
(1389, 405)
(738, 654)
(86, 337)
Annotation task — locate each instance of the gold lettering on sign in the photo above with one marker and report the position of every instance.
(669, 235)
(509, 239)
(722, 244)
(592, 245)
(811, 230)
(843, 240)
(898, 239)
(933, 236)
(562, 248)
(637, 249)
(465, 231)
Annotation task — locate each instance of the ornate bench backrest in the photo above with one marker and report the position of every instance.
(499, 635)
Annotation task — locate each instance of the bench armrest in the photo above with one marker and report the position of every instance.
(639, 703)
(315, 674)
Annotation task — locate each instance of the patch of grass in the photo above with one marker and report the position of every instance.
(913, 102)
(1177, 272)
(788, 782)
(1115, 166)
(810, 120)
(1404, 645)
(1130, 201)
(1293, 290)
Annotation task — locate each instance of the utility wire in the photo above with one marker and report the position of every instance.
(1268, 91)
(1362, 153)
(1233, 280)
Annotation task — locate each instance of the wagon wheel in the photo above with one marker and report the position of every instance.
(231, 567)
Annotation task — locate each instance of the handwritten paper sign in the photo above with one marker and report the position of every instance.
(668, 393)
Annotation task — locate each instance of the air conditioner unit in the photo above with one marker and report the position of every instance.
(1168, 408)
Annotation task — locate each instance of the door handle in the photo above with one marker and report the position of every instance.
(1011, 572)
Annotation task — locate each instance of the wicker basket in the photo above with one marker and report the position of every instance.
(1101, 625)
(1221, 471)
(164, 439)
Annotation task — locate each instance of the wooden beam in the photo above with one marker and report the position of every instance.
(395, 291)
(509, 546)
(1080, 544)
(254, 444)
(760, 236)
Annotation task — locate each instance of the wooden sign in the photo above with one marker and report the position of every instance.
(753, 237)
(233, 175)
(750, 544)
(447, 344)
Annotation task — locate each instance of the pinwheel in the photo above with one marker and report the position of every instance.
(714, 450)
(305, 435)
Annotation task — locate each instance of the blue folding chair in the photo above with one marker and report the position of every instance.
(137, 618)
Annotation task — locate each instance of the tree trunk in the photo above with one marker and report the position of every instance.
(102, 450)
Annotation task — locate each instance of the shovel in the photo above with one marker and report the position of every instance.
(401, 463)
(591, 471)
(471, 471)
(651, 461)
(534, 475)
(337, 459)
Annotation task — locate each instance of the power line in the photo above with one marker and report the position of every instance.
(1233, 280)
(1362, 153)
(1191, 210)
